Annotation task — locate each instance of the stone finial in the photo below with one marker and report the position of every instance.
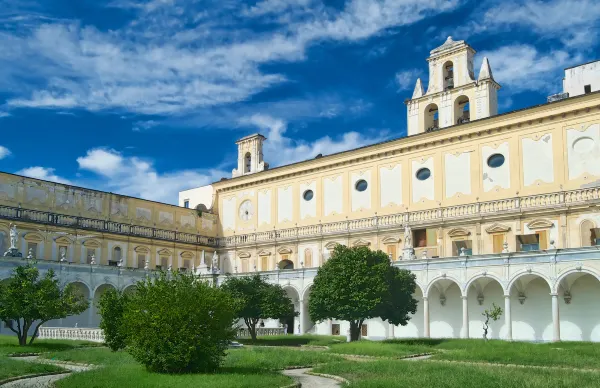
(419, 91)
(235, 269)
(170, 268)
(63, 256)
(30, 254)
(120, 264)
(486, 70)
(93, 260)
(463, 251)
(505, 247)
(146, 265)
(552, 245)
(424, 254)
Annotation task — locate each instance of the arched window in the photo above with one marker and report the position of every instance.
(448, 75)
(116, 256)
(308, 261)
(431, 121)
(586, 231)
(462, 112)
(248, 163)
(286, 264)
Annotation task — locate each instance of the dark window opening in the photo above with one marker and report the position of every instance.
(587, 89)
(528, 242)
(462, 248)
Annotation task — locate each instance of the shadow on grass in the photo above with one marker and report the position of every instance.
(417, 341)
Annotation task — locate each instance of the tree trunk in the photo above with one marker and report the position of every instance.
(252, 329)
(354, 331)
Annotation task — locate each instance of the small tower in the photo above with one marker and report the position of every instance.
(250, 155)
(453, 95)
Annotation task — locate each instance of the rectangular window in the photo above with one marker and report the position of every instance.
(89, 253)
(420, 238)
(458, 245)
(164, 262)
(587, 89)
(335, 329)
(264, 263)
(595, 236)
(391, 251)
(63, 249)
(528, 242)
(113, 263)
(186, 264)
(33, 247)
(186, 203)
(498, 242)
(244, 265)
(364, 331)
(543, 239)
(141, 261)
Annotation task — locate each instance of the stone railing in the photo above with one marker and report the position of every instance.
(71, 333)
(261, 331)
(430, 216)
(41, 217)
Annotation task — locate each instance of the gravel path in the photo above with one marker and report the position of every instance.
(44, 381)
(309, 381)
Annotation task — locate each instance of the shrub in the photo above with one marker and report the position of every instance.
(176, 323)
(112, 306)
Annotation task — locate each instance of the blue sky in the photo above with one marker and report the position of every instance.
(147, 97)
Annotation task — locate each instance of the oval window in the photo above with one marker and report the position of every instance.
(495, 160)
(308, 195)
(423, 174)
(361, 185)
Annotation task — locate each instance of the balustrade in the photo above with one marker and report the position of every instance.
(71, 333)
(261, 331)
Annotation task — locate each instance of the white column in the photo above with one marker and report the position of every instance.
(507, 318)
(465, 311)
(425, 317)
(555, 319)
(302, 318)
(91, 313)
(390, 332)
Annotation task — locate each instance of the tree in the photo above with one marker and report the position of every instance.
(175, 323)
(494, 314)
(356, 284)
(112, 305)
(256, 299)
(28, 301)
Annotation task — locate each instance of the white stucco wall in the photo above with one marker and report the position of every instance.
(390, 183)
(200, 195)
(360, 199)
(308, 208)
(229, 210)
(498, 176)
(583, 150)
(332, 195)
(577, 77)
(457, 174)
(264, 206)
(285, 201)
(538, 160)
(422, 189)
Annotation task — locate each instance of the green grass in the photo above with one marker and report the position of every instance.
(13, 368)
(294, 340)
(426, 374)
(246, 367)
(391, 348)
(10, 345)
(562, 354)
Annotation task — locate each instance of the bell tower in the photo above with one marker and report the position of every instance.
(250, 155)
(453, 95)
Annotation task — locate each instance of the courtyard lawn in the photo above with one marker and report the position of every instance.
(294, 340)
(10, 345)
(392, 348)
(246, 367)
(14, 368)
(426, 374)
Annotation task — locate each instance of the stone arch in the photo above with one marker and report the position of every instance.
(130, 288)
(578, 290)
(462, 109)
(431, 119)
(531, 306)
(102, 287)
(414, 327)
(306, 324)
(444, 295)
(98, 291)
(293, 323)
(448, 75)
(585, 232)
(286, 264)
(83, 319)
(247, 163)
(481, 291)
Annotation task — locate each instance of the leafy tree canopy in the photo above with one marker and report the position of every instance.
(357, 284)
(257, 299)
(28, 301)
(112, 305)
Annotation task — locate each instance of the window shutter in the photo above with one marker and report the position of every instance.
(498, 240)
(543, 239)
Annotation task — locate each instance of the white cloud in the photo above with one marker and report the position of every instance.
(139, 126)
(4, 114)
(150, 67)
(406, 79)
(43, 173)
(4, 152)
(137, 177)
(280, 150)
(522, 67)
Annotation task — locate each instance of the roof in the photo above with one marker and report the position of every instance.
(582, 64)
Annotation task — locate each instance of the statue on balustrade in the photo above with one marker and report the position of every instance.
(408, 253)
(14, 239)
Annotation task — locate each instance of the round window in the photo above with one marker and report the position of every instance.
(361, 185)
(495, 160)
(308, 195)
(423, 174)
